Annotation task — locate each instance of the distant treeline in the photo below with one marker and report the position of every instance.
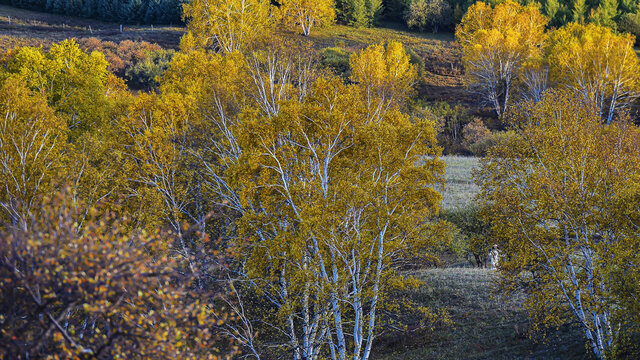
(622, 15)
(125, 11)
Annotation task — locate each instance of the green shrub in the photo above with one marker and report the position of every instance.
(416, 60)
(336, 59)
(473, 232)
(144, 74)
(481, 147)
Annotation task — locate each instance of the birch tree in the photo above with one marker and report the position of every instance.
(599, 66)
(307, 13)
(227, 25)
(32, 139)
(553, 197)
(495, 45)
(324, 193)
(385, 76)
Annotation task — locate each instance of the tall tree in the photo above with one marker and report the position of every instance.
(605, 14)
(553, 196)
(32, 143)
(307, 13)
(496, 42)
(578, 10)
(598, 65)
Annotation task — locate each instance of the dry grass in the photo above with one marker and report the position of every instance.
(442, 80)
(459, 190)
(26, 27)
(486, 326)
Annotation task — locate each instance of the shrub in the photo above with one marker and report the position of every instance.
(121, 56)
(475, 131)
(336, 59)
(417, 61)
(481, 147)
(630, 23)
(144, 74)
(474, 232)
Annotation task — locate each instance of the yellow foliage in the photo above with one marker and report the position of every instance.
(553, 197)
(599, 66)
(307, 13)
(496, 42)
(228, 25)
(385, 75)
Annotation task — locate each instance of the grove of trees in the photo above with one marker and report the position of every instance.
(257, 204)
(509, 56)
(286, 196)
(127, 11)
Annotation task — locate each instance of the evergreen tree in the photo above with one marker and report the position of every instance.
(551, 8)
(579, 10)
(606, 13)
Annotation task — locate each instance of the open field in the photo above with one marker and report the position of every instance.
(27, 27)
(459, 190)
(485, 325)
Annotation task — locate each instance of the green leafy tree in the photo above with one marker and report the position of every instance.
(605, 14)
(429, 13)
(359, 12)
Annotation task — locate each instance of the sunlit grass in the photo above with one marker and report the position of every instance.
(459, 190)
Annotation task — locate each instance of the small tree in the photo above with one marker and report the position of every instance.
(432, 13)
(227, 25)
(307, 13)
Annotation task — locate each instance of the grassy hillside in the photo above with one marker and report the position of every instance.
(26, 27)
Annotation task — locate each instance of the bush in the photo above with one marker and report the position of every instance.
(481, 147)
(474, 232)
(474, 132)
(145, 73)
(121, 56)
(416, 60)
(336, 59)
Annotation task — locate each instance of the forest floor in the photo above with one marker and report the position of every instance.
(485, 326)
